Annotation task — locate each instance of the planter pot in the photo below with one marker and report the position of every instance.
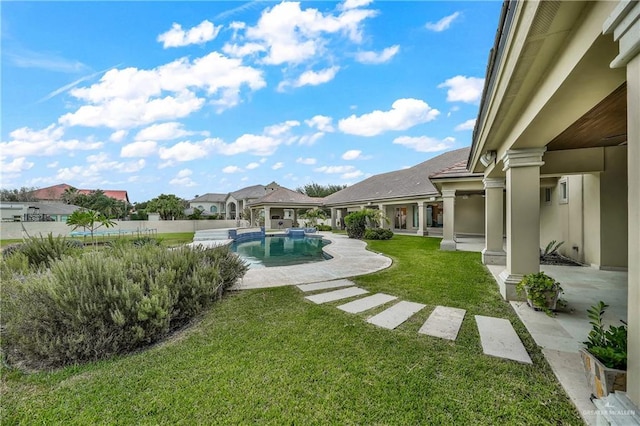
(551, 299)
(602, 380)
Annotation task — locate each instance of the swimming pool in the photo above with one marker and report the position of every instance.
(281, 251)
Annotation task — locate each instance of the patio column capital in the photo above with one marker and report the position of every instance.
(526, 157)
(448, 193)
(493, 183)
(624, 23)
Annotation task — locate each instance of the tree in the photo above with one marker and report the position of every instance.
(17, 195)
(358, 222)
(316, 190)
(312, 215)
(70, 195)
(97, 200)
(196, 215)
(89, 219)
(169, 206)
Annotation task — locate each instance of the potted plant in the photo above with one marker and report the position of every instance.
(541, 290)
(605, 354)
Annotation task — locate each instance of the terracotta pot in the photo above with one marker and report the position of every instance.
(603, 380)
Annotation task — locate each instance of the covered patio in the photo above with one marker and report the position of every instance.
(279, 208)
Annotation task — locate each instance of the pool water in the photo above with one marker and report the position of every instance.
(281, 251)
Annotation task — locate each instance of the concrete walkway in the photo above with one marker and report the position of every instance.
(350, 259)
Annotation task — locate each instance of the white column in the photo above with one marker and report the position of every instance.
(383, 209)
(252, 219)
(422, 219)
(334, 213)
(295, 217)
(523, 217)
(624, 22)
(493, 252)
(448, 242)
(267, 218)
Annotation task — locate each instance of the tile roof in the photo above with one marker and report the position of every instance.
(287, 197)
(458, 170)
(55, 192)
(410, 182)
(210, 198)
(250, 192)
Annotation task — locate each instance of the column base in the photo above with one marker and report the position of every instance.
(421, 232)
(494, 257)
(507, 285)
(448, 245)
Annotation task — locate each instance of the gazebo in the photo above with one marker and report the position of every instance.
(280, 207)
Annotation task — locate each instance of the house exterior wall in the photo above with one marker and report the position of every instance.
(614, 215)
(206, 206)
(469, 215)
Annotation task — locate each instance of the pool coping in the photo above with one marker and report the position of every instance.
(350, 258)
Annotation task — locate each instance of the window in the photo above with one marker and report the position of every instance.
(213, 209)
(564, 192)
(416, 217)
(547, 195)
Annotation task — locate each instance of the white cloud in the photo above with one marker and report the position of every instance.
(16, 166)
(94, 171)
(306, 161)
(351, 175)
(404, 113)
(53, 165)
(252, 166)
(353, 4)
(232, 169)
(131, 97)
(250, 144)
(46, 142)
(334, 169)
(281, 128)
(239, 51)
(442, 24)
(188, 151)
(139, 149)
(164, 132)
(118, 136)
(425, 143)
(352, 154)
(463, 89)
(292, 35)
(310, 139)
(320, 122)
(183, 178)
(313, 78)
(177, 37)
(467, 125)
(370, 57)
(277, 166)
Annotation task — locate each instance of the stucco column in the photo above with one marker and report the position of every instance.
(383, 209)
(334, 213)
(448, 242)
(295, 218)
(523, 217)
(493, 252)
(252, 222)
(624, 22)
(267, 218)
(422, 219)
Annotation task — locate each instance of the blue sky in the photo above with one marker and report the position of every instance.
(194, 97)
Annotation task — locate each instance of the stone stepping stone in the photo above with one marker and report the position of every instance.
(444, 322)
(324, 285)
(336, 295)
(395, 315)
(499, 339)
(367, 303)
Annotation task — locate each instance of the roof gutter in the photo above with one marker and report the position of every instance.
(495, 55)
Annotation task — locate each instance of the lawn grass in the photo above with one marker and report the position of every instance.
(270, 357)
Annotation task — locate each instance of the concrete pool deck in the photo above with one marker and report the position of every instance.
(350, 258)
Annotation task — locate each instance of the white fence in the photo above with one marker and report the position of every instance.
(13, 230)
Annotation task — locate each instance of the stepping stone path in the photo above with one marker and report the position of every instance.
(395, 315)
(332, 296)
(497, 336)
(366, 303)
(499, 339)
(443, 322)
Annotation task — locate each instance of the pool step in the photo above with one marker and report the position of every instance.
(211, 235)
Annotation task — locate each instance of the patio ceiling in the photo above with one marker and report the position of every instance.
(604, 125)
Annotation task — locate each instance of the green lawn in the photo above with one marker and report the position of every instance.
(270, 357)
(172, 239)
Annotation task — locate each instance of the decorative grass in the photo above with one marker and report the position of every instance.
(270, 357)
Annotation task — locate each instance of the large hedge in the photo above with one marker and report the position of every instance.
(101, 303)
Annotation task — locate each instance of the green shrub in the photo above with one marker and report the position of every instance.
(608, 345)
(356, 224)
(42, 251)
(378, 234)
(324, 228)
(110, 302)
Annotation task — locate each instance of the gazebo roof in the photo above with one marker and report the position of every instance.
(285, 197)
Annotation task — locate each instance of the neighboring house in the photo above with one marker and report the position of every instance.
(34, 211)
(55, 193)
(409, 199)
(210, 203)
